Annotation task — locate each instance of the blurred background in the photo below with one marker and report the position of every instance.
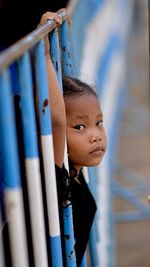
(133, 155)
(113, 54)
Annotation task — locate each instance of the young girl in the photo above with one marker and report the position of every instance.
(78, 116)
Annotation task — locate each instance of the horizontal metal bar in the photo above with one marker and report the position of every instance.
(129, 217)
(130, 175)
(12, 53)
(130, 197)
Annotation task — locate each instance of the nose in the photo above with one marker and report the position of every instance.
(95, 138)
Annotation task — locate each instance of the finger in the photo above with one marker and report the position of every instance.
(51, 16)
(58, 19)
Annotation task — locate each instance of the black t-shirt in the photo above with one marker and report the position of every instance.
(83, 206)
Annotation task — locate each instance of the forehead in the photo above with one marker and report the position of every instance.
(83, 105)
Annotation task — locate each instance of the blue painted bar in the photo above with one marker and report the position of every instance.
(93, 246)
(8, 134)
(32, 161)
(129, 217)
(56, 252)
(55, 55)
(46, 130)
(13, 197)
(43, 95)
(68, 70)
(84, 261)
(67, 50)
(131, 197)
(69, 236)
(131, 176)
(94, 237)
(27, 107)
(67, 211)
(93, 182)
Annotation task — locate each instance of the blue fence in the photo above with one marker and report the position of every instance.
(94, 50)
(17, 82)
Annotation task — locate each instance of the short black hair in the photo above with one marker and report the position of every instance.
(73, 87)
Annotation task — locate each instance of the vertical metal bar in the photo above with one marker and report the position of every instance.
(84, 261)
(68, 67)
(48, 155)
(104, 222)
(55, 55)
(66, 46)
(2, 263)
(67, 211)
(91, 178)
(13, 192)
(93, 247)
(94, 235)
(32, 163)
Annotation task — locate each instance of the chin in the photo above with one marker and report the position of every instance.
(94, 163)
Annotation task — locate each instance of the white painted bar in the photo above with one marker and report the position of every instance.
(50, 180)
(36, 212)
(16, 226)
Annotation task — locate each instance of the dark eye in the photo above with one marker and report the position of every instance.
(79, 127)
(99, 123)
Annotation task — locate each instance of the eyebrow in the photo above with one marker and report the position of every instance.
(81, 116)
(85, 116)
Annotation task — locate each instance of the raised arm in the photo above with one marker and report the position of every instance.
(58, 113)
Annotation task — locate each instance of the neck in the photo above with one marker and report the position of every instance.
(76, 175)
(78, 168)
(74, 171)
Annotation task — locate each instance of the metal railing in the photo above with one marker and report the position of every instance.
(18, 58)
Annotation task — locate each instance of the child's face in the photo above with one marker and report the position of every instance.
(86, 136)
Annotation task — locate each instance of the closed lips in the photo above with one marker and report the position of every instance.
(98, 148)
